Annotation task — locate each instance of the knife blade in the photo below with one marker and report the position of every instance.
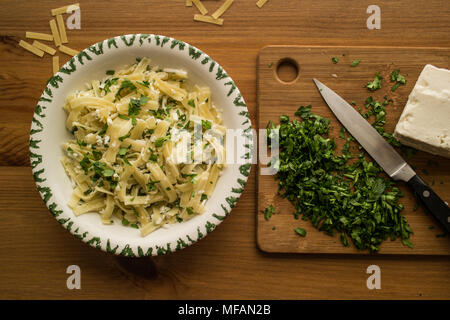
(384, 154)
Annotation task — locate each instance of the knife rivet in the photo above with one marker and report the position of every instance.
(426, 193)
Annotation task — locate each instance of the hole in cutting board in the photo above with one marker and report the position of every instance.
(287, 70)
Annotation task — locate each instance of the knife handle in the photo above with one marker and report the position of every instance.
(438, 208)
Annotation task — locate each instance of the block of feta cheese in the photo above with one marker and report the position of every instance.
(425, 120)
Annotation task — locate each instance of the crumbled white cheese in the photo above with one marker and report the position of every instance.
(164, 209)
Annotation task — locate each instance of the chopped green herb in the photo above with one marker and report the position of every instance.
(124, 137)
(338, 196)
(110, 72)
(355, 63)
(125, 88)
(300, 232)
(97, 155)
(151, 185)
(143, 100)
(125, 159)
(190, 211)
(395, 86)
(206, 124)
(153, 158)
(123, 151)
(85, 163)
(191, 176)
(398, 79)
(407, 242)
(375, 84)
(108, 172)
(284, 118)
(103, 130)
(160, 141)
(268, 211)
(342, 133)
(101, 170)
(191, 103)
(134, 107)
(81, 143)
(335, 60)
(123, 117)
(145, 83)
(109, 83)
(125, 222)
(344, 239)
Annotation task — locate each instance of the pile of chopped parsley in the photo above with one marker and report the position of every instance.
(339, 192)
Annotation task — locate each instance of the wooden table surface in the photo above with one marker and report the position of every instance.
(35, 251)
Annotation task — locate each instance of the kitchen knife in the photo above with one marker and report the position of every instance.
(384, 154)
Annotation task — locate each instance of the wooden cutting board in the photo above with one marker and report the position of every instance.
(276, 98)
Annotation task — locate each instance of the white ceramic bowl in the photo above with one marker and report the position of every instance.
(48, 132)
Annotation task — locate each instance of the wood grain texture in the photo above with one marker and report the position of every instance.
(35, 251)
(276, 98)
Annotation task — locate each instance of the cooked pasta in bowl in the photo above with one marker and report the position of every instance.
(129, 145)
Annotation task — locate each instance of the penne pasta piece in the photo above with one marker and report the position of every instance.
(39, 36)
(55, 64)
(62, 28)
(260, 3)
(64, 9)
(68, 51)
(200, 6)
(224, 7)
(31, 48)
(55, 33)
(208, 19)
(44, 47)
